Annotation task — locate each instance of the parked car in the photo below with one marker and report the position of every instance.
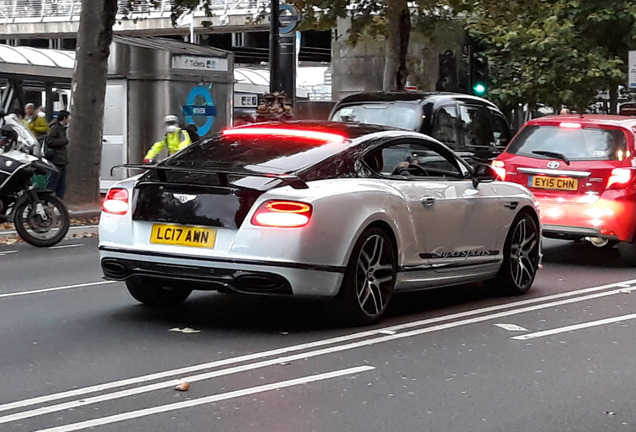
(322, 209)
(581, 170)
(472, 126)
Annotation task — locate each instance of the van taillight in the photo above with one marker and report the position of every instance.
(116, 202)
(620, 178)
(500, 168)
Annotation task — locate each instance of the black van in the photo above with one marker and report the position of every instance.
(473, 127)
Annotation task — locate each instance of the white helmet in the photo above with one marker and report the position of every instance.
(171, 119)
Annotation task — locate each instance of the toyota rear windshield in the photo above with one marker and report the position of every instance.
(399, 115)
(572, 141)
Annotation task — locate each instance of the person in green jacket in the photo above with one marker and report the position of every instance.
(175, 139)
(35, 121)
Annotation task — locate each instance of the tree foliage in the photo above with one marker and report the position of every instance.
(554, 51)
(388, 20)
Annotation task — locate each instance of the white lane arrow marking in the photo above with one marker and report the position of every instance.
(575, 327)
(511, 327)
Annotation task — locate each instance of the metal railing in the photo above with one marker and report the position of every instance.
(61, 10)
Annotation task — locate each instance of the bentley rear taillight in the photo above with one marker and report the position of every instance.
(116, 202)
(500, 168)
(287, 214)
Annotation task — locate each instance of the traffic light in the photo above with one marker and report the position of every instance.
(447, 77)
(478, 74)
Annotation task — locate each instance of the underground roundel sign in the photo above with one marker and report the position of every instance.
(288, 18)
(199, 109)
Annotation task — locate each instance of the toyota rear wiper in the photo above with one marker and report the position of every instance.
(552, 155)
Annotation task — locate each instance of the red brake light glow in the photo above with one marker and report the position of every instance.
(298, 133)
(500, 169)
(288, 214)
(619, 178)
(569, 125)
(116, 202)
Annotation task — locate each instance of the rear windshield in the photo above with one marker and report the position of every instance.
(573, 143)
(260, 153)
(404, 116)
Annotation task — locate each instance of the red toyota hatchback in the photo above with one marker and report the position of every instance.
(581, 169)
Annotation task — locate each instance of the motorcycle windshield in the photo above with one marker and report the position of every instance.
(25, 135)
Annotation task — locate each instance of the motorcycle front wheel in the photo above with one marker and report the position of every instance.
(42, 223)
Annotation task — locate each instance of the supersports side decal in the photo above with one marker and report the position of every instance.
(458, 254)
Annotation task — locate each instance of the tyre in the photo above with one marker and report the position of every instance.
(627, 251)
(369, 278)
(157, 293)
(521, 257)
(43, 223)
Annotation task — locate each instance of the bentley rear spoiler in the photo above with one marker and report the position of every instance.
(292, 180)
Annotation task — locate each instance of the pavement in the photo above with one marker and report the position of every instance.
(84, 223)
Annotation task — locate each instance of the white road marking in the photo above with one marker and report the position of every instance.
(61, 288)
(8, 252)
(511, 327)
(206, 400)
(305, 346)
(66, 246)
(299, 356)
(575, 327)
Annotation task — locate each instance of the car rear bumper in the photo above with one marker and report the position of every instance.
(574, 233)
(612, 220)
(266, 277)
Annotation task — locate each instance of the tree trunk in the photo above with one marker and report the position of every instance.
(398, 34)
(89, 89)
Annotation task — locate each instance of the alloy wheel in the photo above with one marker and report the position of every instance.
(375, 275)
(524, 254)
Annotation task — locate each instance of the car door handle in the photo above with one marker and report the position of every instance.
(428, 201)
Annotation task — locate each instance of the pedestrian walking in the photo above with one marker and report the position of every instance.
(57, 140)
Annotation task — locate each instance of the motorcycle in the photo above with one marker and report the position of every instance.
(39, 217)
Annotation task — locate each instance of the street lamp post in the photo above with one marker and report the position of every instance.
(274, 48)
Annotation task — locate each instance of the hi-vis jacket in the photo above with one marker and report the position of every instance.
(175, 141)
(38, 125)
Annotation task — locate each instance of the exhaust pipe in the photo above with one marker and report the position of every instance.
(114, 269)
(599, 242)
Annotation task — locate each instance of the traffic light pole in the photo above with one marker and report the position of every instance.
(274, 48)
(470, 68)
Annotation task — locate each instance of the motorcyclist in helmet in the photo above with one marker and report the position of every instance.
(175, 139)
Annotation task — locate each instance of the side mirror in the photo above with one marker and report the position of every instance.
(484, 174)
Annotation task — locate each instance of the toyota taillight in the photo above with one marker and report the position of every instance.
(116, 202)
(620, 178)
(500, 168)
(288, 214)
